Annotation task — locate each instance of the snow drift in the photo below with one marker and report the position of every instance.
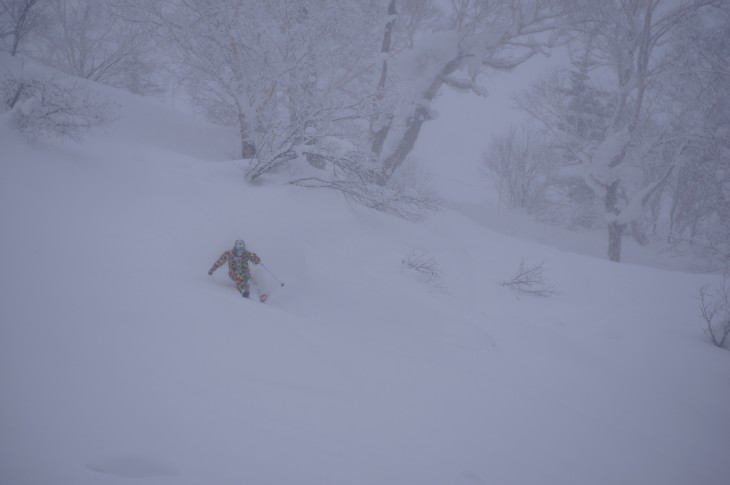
(120, 359)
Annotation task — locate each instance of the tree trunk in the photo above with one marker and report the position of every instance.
(405, 144)
(23, 23)
(16, 43)
(615, 231)
(379, 134)
(17, 95)
(248, 150)
(414, 122)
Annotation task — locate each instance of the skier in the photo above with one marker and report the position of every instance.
(238, 259)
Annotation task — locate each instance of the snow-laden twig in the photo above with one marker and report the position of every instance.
(715, 311)
(425, 267)
(530, 280)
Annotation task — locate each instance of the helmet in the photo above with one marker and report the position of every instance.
(239, 246)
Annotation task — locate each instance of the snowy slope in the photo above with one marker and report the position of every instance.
(120, 359)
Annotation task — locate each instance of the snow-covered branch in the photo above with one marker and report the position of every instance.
(715, 311)
(530, 280)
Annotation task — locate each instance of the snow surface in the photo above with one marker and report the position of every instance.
(121, 360)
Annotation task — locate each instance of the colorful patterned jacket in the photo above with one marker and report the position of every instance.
(237, 265)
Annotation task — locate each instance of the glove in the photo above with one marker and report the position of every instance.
(210, 273)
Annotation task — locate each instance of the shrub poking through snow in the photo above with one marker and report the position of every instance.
(424, 267)
(715, 310)
(530, 280)
(50, 108)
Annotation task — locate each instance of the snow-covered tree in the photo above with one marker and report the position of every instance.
(43, 106)
(89, 39)
(699, 195)
(277, 69)
(627, 157)
(18, 19)
(478, 35)
(518, 165)
(345, 86)
(574, 114)
(422, 53)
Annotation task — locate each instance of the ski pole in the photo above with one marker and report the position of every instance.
(272, 274)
